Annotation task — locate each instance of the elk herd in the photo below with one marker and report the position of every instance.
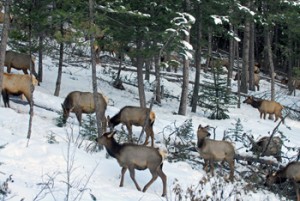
(133, 156)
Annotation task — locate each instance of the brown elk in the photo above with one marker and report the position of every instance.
(132, 156)
(266, 107)
(214, 150)
(131, 115)
(16, 84)
(2, 16)
(290, 171)
(256, 77)
(19, 61)
(83, 102)
(273, 149)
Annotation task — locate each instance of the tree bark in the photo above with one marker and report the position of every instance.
(197, 58)
(251, 57)
(157, 78)
(60, 63)
(244, 76)
(4, 38)
(40, 73)
(185, 83)
(100, 118)
(270, 58)
(140, 62)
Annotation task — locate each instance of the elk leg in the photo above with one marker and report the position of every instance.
(163, 177)
(25, 71)
(79, 116)
(205, 167)
(154, 177)
(129, 128)
(261, 114)
(8, 69)
(122, 176)
(231, 164)
(265, 115)
(211, 164)
(297, 190)
(132, 175)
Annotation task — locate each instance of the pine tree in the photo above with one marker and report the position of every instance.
(214, 94)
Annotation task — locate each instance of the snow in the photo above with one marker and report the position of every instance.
(39, 168)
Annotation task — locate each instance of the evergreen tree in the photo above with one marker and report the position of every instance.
(214, 93)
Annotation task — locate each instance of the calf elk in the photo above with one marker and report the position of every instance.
(213, 150)
(132, 156)
(130, 115)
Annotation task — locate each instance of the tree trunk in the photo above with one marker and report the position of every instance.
(209, 46)
(100, 117)
(140, 62)
(31, 85)
(231, 61)
(185, 83)
(270, 58)
(4, 38)
(244, 77)
(60, 63)
(40, 73)
(157, 78)
(251, 57)
(197, 58)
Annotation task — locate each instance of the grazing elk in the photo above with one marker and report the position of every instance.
(19, 61)
(273, 149)
(83, 102)
(214, 150)
(131, 115)
(16, 84)
(290, 171)
(132, 156)
(266, 106)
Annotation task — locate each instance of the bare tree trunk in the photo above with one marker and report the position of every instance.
(197, 57)
(100, 118)
(231, 61)
(244, 77)
(40, 73)
(251, 58)
(186, 65)
(185, 83)
(157, 78)
(31, 85)
(270, 56)
(4, 38)
(236, 44)
(209, 46)
(60, 63)
(140, 62)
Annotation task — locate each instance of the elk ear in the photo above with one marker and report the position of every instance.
(62, 105)
(199, 126)
(206, 127)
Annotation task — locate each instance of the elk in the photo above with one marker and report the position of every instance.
(290, 171)
(83, 102)
(266, 106)
(131, 115)
(256, 77)
(19, 61)
(273, 149)
(214, 150)
(132, 156)
(16, 84)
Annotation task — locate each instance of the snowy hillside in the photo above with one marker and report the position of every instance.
(39, 170)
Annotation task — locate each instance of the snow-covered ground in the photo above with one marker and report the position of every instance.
(39, 169)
